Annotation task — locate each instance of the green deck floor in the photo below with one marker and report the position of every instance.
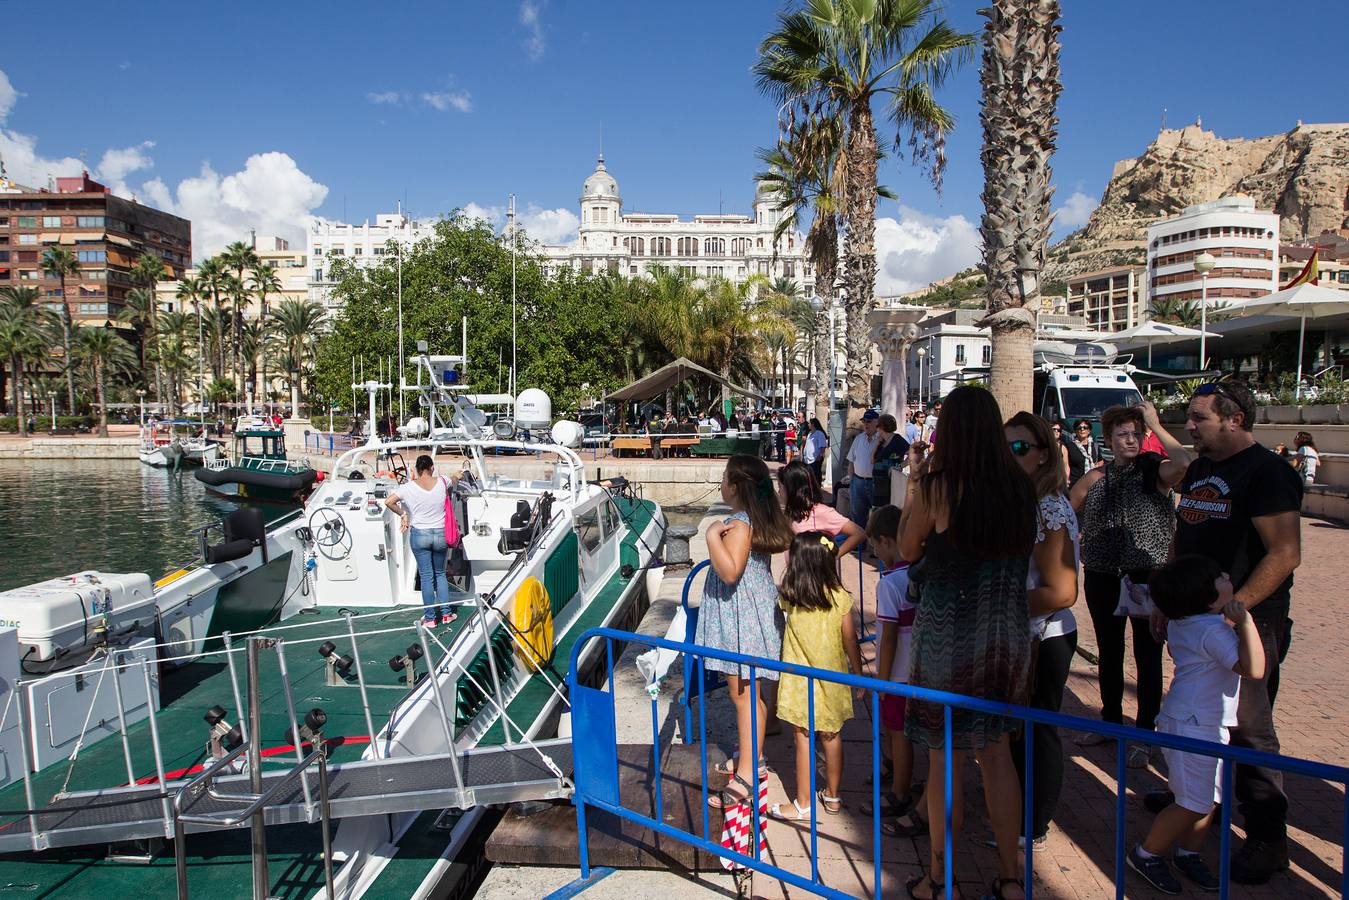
(219, 862)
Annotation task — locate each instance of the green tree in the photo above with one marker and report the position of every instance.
(139, 312)
(240, 257)
(147, 272)
(190, 294)
(1019, 112)
(58, 262)
(174, 351)
(211, 276)
(24, 323)
(265, 283)
(835, 58)
(106, 355)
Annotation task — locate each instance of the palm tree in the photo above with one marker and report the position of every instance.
(834, 58)
(1021, 90)
(191, 291)
(173, 350)
(23, 325)
(298, 325)
(107, 355)
(147, 272)
(61, 263)
(240, 257)
(211, 280)
(265, 282)
(139, 312)
(237, 291)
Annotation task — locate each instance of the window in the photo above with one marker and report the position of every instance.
(632, 270)
(94, 309)
(739, 246)
(89, 221)
(337, 251)
(95, 274)
(988, 354)
(28, 256)
(690, 271)
(660, 246)
(789, 268)
(29, 275)
(27, 222)
(358, 251)
(51, 221)
(4, 220)
(688, 246)
(635, 246)
(92, 256)
(611, 519)
(960, 354)
(27, 239)
(4, 256)
(378, 251)
(714, 247)
(318, 274)
(759, 243)
(588, 530)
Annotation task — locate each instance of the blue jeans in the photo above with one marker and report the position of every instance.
(429, 549)
(860, 491)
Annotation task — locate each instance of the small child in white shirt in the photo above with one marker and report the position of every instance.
(895, 612)
(1210, 658)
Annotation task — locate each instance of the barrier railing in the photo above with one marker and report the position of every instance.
(327, 443)
(593, 725)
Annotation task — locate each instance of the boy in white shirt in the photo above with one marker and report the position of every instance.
(1210, 658)
(895, 612)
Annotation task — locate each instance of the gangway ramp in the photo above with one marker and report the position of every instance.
(492, 774)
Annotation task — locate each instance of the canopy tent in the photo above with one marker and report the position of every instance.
(668, 376)
(1154, 332)
(1304, 301)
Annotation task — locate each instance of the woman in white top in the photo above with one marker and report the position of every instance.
(1305, 457)
(1051, 585)
(420, 504)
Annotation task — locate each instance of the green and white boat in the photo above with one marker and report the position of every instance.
(258, 468)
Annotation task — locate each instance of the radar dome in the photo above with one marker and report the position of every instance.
(568, 434)
(533, 409)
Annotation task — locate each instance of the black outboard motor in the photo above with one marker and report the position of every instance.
(242, 530)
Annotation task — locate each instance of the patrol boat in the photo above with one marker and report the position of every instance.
(340, 747)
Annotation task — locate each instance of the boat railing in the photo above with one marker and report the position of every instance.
(594, 717)
(571, 479)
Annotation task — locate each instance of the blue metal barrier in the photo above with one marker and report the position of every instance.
(598, 792)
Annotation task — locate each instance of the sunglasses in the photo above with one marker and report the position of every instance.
(1021, 448)
(1084, 428)
(1214, 387)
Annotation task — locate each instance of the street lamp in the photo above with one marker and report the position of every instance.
(1203, 264)
(141, 394)
(295, 393)
(51, 395)
(922, 354)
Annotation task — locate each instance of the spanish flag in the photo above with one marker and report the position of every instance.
(1310, 274)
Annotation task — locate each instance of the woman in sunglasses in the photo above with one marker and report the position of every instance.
(1128, 519)
(1085, 442)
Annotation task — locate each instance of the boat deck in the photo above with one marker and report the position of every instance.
(218, 861)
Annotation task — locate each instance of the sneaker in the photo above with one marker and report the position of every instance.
(1156, 801)
(1154, 871)
(1258, 859)
(1139, 756)
(1193, 867)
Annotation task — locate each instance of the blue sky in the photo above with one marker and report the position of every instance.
(260, 115)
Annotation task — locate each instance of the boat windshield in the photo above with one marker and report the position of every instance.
(1090, 402)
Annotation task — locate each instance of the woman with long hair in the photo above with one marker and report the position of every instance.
(1052, 587)
(969, 527)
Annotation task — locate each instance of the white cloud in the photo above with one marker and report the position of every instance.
(548, 226)
(383, 96)
(459, 101)
(492, 215)
(917, 249)
(118, 163)
(8, 96)
(1075, 211)
(535, 44)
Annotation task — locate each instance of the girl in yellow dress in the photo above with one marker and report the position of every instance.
(820, 633)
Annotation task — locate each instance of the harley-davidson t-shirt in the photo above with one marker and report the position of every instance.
(1218, 500)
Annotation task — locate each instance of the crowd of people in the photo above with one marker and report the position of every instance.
(983, 544)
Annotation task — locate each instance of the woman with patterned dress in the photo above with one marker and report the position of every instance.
(969, 527)
(739, 609)
(1127, 521)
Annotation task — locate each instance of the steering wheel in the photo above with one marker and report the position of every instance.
(331, 535)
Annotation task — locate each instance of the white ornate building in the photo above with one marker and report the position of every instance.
(729, 245)
(365, 244)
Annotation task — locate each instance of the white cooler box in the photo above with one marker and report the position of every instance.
(63, 613)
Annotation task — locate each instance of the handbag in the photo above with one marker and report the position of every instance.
(451, 523)
(1134, 599)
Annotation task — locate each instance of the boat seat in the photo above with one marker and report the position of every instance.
(242, 530)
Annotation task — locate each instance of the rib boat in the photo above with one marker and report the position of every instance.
(312, 736)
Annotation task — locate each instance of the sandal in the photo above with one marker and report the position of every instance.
(801, 815)
(728, 767)
(1000, 883)
(726, 798)
(938, 891)
(916, 826)
(891, 805)
(831, 805)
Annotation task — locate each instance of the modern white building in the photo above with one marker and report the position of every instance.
(1243, 240)
(365, 244)
(729, 246)
(291, 271)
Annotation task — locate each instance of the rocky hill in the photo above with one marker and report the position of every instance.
(1302, 175)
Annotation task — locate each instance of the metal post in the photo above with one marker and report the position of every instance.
(295, 730)
(28, 778)
(121, 721)
(492, 665)
(154, 740)
(440, 706)
(360, 679)
(180, 856)
(261, 883)
(325, 819)
(1203, 319)
(225, 639)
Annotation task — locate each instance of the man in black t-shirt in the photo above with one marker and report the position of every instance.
(1241, 505)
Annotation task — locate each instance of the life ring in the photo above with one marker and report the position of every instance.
(532, 618)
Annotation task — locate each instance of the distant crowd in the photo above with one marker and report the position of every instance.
(987, 532)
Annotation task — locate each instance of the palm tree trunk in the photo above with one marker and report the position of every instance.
(859, 257)
(16, 386)
(263, 390)
(1020, 96)
(66, 329)
(826, 272)
(102, 406)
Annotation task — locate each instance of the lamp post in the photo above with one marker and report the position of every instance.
(141, 394)
(51, 395)
(922, 354)
(1203, 264)
(295, 393)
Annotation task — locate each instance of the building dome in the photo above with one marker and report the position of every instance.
(600, 184)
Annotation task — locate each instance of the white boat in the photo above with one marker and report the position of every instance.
(174, 443)
(421, 725)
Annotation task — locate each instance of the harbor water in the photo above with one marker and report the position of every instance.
(64, 516)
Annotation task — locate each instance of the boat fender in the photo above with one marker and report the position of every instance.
(532, 618)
